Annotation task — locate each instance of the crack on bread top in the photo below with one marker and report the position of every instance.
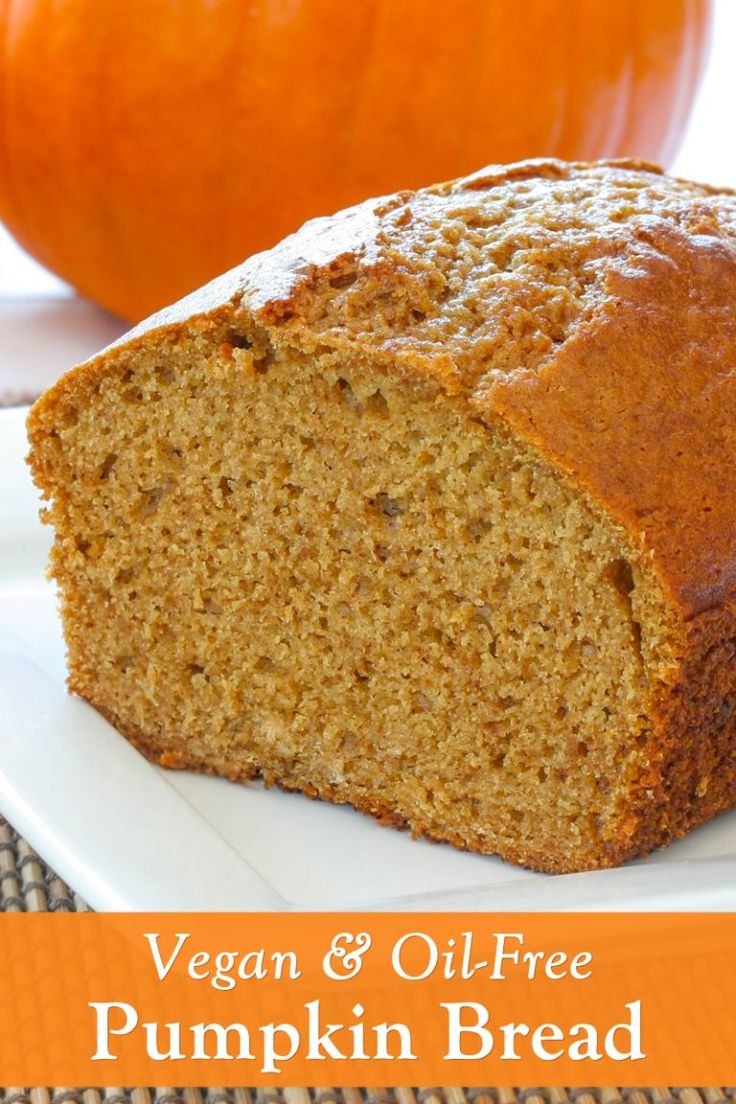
(484, 276)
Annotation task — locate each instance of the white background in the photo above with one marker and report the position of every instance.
(44, 328)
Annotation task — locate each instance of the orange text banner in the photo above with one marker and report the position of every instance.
(401, 999)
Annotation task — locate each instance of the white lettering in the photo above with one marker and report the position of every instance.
(104, 1030)
(221, 1033)
(502, 955)
(632, 1031)
(271, 1055)
(547, 1033)
(174, 1050)
(456, 1030)
(162, 968)
(432, 956)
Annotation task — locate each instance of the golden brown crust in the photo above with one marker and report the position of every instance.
(595, 316)
(639, 405)
(544, 860)
(590, 308)
(693, 780)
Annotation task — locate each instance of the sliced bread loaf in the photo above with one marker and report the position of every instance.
(430, 509)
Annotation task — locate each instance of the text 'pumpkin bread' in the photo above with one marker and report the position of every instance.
(431, 510)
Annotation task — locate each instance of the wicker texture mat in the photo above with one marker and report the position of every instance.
(28, 885)
(368, 1096)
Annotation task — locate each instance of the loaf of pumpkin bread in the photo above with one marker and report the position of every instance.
(430, 509)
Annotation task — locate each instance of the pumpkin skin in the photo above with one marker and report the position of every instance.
(145, 147)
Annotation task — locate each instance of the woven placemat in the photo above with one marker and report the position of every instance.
(368, 1096)
(27, 884)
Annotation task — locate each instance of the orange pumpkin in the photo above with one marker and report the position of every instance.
(146, 146)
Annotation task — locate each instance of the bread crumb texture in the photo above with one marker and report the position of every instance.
(428, 510)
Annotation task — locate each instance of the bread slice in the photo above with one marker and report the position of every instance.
(430, 510)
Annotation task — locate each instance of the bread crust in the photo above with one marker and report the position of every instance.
(543, 860)
(637, 402)
(626, 383)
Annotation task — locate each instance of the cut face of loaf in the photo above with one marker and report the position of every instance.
(298, 558)
(316, 573)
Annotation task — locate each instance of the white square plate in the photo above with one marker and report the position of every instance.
(127, 835)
